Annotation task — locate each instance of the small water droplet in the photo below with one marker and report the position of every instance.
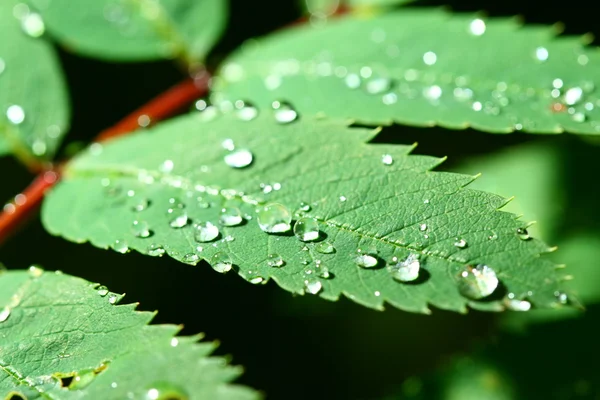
(493, 236)
(112, 299)
(542, 54)
(387, 159)
(166, 166)
(221, 262)
(573, 95)
(190, 258)
(378, 85)
(433, 92)
(4, 313)
(165, 391)
(141, 229)
(156, 250)
(174, 342)
(352, 81)
(178, 217)
(275, 260)
(35, 271)
(245, 110)
(284, 112)
(322, 271)
(343, 198)
(430, 58)
(139, 204)
(229, 238)
(228, 144)
(313, 286)
(579, 117)
(523, 234)
(102, 290)
(514, 304)
(274, 218)
(256, 280)
(15, 114)
(461, 243)
(423, 227)
(240, 158)
(325, 247)
(205, 232)
(306, 229)
(120, 246)
(406, 270)
(561, 297)
(303, 209)
(477, 27)
(33, 25)
(231, 216)
(477, 282)
(366, 261)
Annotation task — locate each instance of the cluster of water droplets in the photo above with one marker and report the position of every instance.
(282, 111)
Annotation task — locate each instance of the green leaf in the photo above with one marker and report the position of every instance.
(34, 108)
(136, 30)
(423, 68)
(62, 337)
(376, 3)
(176, 174)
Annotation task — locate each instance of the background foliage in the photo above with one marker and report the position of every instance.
(351, 352)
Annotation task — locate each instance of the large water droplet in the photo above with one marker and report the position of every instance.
(205, 232)
(156, 250)
(33, 25)
(477, 282)
(306, 229)
(245, 110)
(275, 260)
(406, 270)
(274, 218)
(313, 286)
(523, 234)
(178, 217)
(284, 112)
(120, 246)
(4, 313)
(221, 262)
(15, 114)
(240, 158)
(231, 216)
(141, 229)
(366, 261)
(102, 290)
(325, 247)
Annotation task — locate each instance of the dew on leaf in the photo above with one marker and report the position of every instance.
(166, 166)
(352, 81)
(573, 96)
(166, 391)
(35, 271)
(155, 250)
(389, 98)
(378, 85)
(231, 216)
(102, 290)
(561, 297)
(433, 92)
(430, 58)
(542, 54)
(343, 198)
(256, 280)
(228, 144)
(112, 299)
(514, 304)
(477, 27)
(406, 270)
(120, 246)
(178, 217)
(366, 261)
(477, 282)
(306, 229)
(275, 260)
(229, 238)
(4, 313)
(387, 159)
(461, 243)
(245, 110)
(82, 379)
(274, 218)
(139, 204)
(322, 271)
(283, 112)
(205, 232)
(141, 229)
(221, 262)
(423, 227)
(325, 247)
(190, 258)
(240, 158)
(523, 234)
(313, 286)
(174, 342)
(33, 25)
(15, 114)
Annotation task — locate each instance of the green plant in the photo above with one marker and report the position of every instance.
(281, 172)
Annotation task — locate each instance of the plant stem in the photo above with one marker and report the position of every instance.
(164, 105)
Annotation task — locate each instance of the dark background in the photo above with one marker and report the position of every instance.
(291, 347)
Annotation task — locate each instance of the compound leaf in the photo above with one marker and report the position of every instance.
(62, 337)
(423, 67)
(156, 191)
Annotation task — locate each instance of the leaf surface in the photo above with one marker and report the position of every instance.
(423, 67)
(62, 337)
(136, 30)
(34, 108)
(321, 169)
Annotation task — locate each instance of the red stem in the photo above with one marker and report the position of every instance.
(162, 106)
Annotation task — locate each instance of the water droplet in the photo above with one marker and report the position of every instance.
(156, 250)
(274, 218)
(15, 114)
(205, 232)
(389, 98)
(33, 25)
(190, 258)
(461, 243)
(430, 58)
(352, 81)
(221, 262)
(477, 282)
(102, 290)
(493, 236)
(433, 92)
(82, 379)
(423, 227)
(4, 313)
(139, 204)
(579, 117)
(231, 216)
(245, 110)
(366, 261)
(120, 246)
(178, 217)
(112, 299)
(561, 297)
(573, 95)
(523, 234)
(240, 158)
(514, 304)
(541, 53)
(275, 260)
(174, 342)
(35, 271)
(284, 112)
(406, 270)
(256, 280)
(557, 83)
(325, 247)
(165, 391)
(477, 106)
(166, 166)
(477, 27)
(141, 229)
(306, 229)
(378, 85)
(387, 159)
(313, 286)
(343, 198)
(322, 271)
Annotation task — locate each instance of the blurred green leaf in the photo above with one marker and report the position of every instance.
(136, 30)
(157, 191)
(34, 105)
(422, 67)
(376, 3)
(64, 338)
